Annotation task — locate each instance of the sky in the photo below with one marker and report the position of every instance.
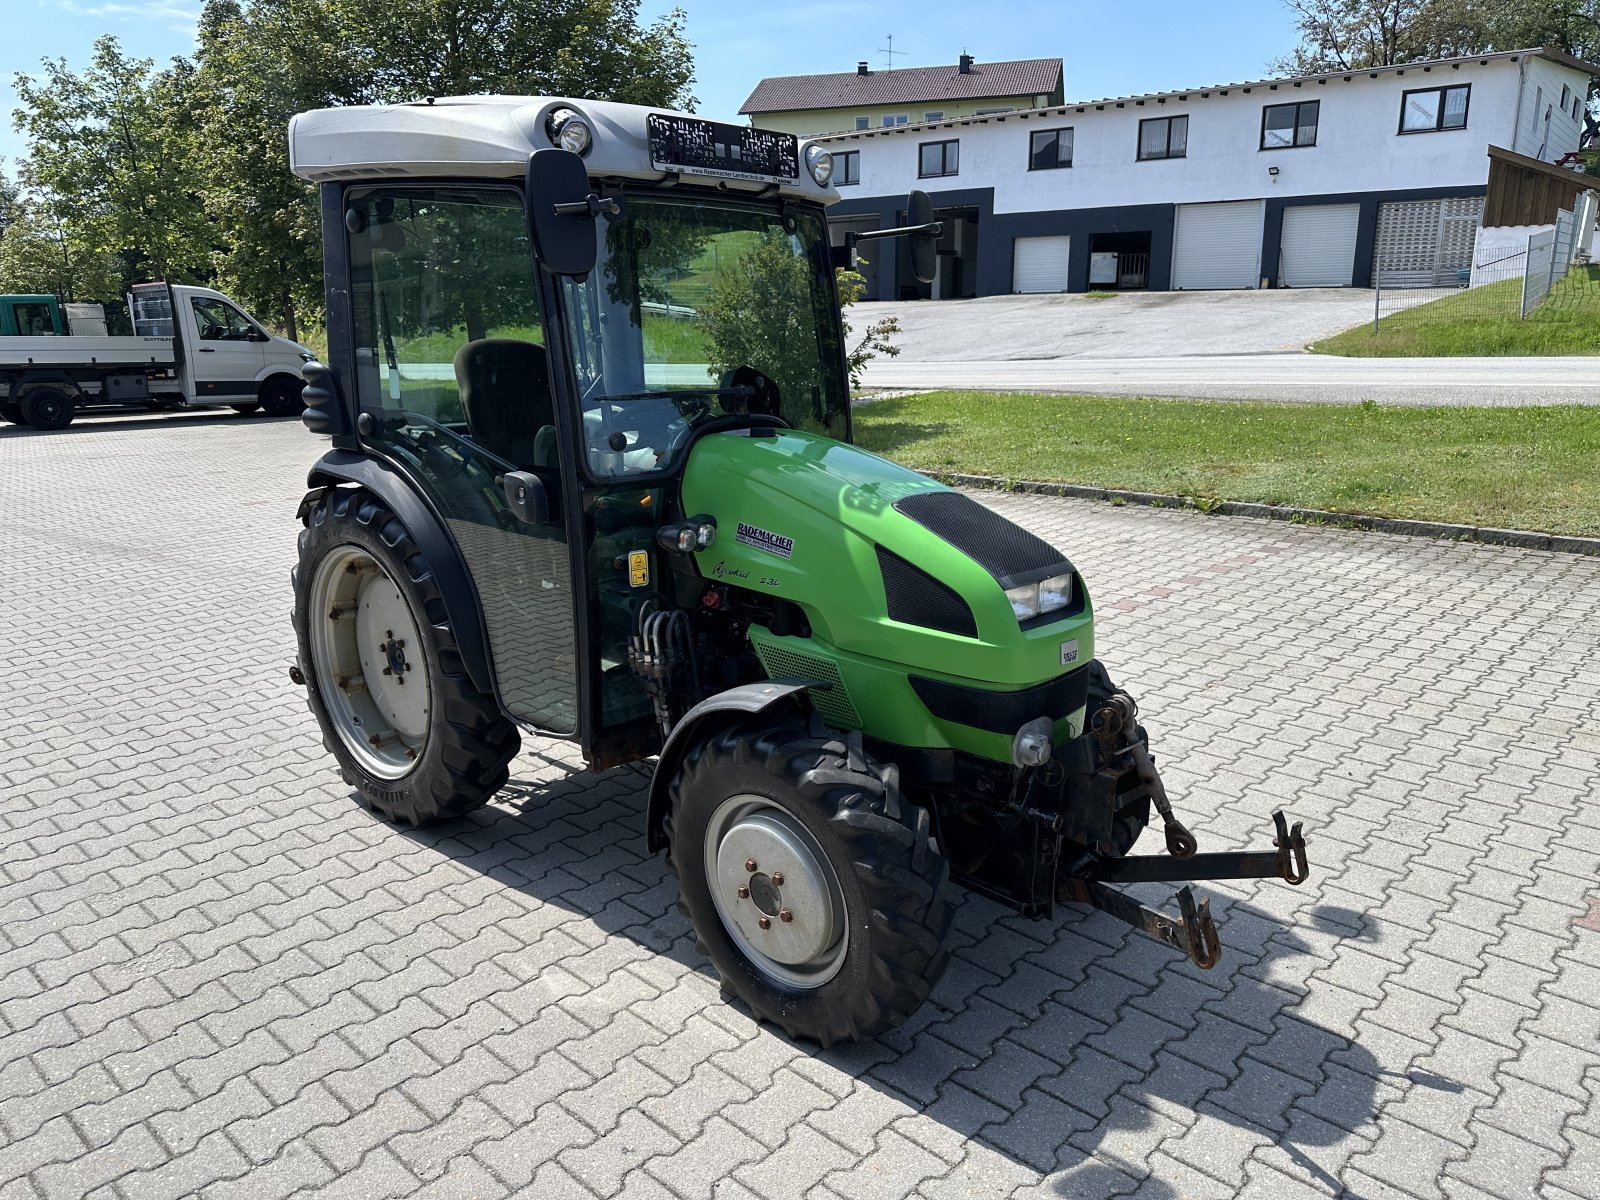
(1114, 49)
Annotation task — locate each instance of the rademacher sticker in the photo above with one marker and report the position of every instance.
(1069, 652)
(765, 539)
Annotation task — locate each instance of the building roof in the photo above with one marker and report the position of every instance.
(1206, 91)
(906, 85)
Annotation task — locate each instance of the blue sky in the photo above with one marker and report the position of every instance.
(1108, 49)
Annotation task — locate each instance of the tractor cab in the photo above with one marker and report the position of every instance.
(591, 476)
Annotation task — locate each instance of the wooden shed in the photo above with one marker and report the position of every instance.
(1525, 191)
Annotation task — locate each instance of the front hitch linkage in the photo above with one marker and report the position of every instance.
(1194, 932)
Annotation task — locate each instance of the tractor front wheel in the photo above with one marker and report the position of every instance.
(811, 883)
(412, 733)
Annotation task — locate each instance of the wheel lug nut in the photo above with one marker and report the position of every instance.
(777, 879)
(785, 915)
(750, 865)
(744, 892)
(765, 922)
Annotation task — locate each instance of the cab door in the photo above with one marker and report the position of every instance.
(228, 349)
(455, 386)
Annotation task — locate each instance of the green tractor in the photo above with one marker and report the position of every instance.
(591, 477)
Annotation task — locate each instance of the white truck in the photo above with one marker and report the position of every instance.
(191, 347)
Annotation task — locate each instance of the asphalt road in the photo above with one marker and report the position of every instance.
(1288, 377)
(221, 978)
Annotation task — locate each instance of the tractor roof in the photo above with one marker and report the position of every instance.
(488, 137)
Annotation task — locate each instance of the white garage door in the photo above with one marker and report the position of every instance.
(1039, 264)
(1218, 245)
(1319, 245)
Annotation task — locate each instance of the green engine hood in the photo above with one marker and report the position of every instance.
(801, 516)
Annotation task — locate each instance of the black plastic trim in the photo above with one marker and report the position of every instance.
(1003, 712)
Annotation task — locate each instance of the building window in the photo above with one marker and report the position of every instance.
(1566, 97)
(900, 119)
(1433, 109)
(1050, 148)
(1164, 137)
(936, 115)
(1284, 126)
(846, 167)
(937, 158)
(863, 122)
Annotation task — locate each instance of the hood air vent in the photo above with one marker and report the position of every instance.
(1008, 552)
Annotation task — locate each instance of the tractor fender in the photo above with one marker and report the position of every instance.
(700, 721)
(449, 571)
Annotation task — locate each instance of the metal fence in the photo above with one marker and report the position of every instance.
(1413, 270)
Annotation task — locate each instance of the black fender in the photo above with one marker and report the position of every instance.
(449, 571)
(700, 721)
(45, 377)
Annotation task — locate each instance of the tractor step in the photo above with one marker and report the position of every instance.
(1194, 932)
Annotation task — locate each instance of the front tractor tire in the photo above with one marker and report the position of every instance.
(811, 883)
(413, 735)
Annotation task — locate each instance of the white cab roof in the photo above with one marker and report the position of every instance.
(486, 137)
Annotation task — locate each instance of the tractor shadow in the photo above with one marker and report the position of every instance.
(1070, 1047)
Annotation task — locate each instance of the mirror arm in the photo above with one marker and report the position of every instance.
(590, 206)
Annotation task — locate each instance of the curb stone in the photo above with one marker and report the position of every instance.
(1524, 539)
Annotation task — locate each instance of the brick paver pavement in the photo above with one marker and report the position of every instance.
(222, 978)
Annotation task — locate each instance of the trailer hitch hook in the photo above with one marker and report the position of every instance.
(1291, 844)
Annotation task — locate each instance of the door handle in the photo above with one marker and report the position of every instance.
(208, 349)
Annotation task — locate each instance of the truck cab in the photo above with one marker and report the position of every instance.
(31, 316)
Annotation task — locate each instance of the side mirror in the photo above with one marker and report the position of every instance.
(561, 211)
(526, 496)
(924, 245)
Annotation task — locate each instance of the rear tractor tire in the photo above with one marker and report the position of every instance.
(47, 408)
(811, 883)
(412, 733)
(280, 397)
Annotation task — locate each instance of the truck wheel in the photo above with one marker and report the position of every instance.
(12, 412)
(47, 408)
(280, 397)
(811, 884)
(412, 733)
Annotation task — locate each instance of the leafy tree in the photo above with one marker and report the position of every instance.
(112, 157)
(38, 253)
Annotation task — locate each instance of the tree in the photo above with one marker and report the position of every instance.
(39, 254)
(112, 158)
(1347, 35)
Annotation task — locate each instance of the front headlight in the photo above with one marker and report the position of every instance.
(1024, 600)
(820, 163)
(1030, 600)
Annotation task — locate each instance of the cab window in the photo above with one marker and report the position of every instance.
(219, 321)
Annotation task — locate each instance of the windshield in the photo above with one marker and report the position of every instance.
(698, 310)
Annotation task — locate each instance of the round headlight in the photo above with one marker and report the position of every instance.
(569, 131)
(820, 163)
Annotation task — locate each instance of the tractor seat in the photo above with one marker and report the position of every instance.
(505, 393)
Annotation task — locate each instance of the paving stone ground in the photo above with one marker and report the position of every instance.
(222, 978)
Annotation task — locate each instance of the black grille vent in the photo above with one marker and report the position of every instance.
(1007, 551)
(917, 598)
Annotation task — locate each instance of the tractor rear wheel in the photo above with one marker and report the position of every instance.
(12, 412)
(811, 883)
(412, 733)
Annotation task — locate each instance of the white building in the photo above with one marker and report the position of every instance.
(1280, 183)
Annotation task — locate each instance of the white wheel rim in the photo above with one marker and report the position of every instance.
(776, 892)
(369, 662)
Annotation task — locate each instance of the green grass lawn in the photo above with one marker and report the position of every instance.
(1526, 468)
(1485, 321)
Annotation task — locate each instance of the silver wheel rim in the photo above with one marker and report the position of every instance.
(776, 892)
(370, 668)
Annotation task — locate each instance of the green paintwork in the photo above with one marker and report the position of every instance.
(835, 502)
(9, 326)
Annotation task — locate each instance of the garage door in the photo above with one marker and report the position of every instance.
(1039, 264)
(1218, 245)
(1319, 245)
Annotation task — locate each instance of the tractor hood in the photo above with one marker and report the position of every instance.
(885, 562)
